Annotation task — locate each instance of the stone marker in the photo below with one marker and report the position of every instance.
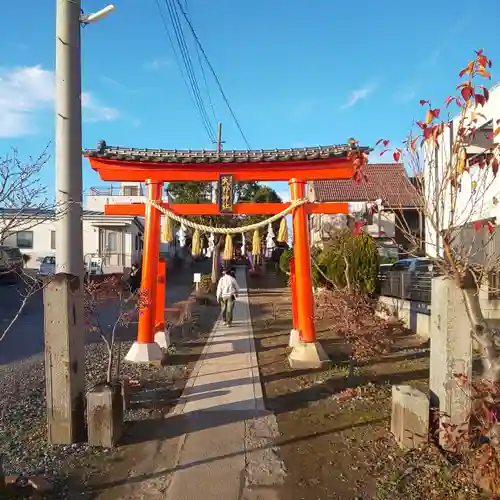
(410, 416)
(105, 415)
(451, 354)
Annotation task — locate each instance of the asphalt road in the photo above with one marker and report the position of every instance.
(26, 338)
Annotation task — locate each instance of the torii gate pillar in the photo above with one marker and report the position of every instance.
(145, 349)
(307, 353)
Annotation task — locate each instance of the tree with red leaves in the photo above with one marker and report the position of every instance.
(455, 162)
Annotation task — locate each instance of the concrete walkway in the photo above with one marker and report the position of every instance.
(227, 451)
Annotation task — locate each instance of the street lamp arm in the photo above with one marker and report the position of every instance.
(96, 16)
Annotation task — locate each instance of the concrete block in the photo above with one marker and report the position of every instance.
(308, 356)
(410, 416)
(294, 338)
(162, 338)
(144, 353)
(451, 353)
(105, 415)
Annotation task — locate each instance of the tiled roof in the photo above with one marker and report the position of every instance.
(202, 156)
(386, 181)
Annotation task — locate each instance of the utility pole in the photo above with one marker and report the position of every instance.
(63, 296)
(216, 252)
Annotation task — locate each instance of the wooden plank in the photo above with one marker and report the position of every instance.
(138, 209)
(310, 170)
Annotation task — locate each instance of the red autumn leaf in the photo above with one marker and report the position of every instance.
(449, 100)
(482, 164)
(435, 112)
(478, 224)
(386, 143)
(460, 104)
(397, 155)
(491, 227)
(468, 69)
(494, 166)
(483, 72)
(421, 124)
(486, 92)
(383, 152)
(379, 141)
(466, 92)
(480, 99)
(422, 102)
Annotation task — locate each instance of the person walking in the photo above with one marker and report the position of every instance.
(227, 293)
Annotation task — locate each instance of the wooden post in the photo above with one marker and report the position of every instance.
(64, 359)
(303, 272)
(307, 353)
(293, 286)
(145, 350)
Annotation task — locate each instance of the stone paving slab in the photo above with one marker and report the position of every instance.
(220, 457)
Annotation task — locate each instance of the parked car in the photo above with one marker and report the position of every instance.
(11, 260)
(47, 267)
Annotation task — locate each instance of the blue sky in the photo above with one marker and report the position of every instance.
(297, 73)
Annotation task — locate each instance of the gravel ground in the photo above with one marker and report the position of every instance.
(23, 417)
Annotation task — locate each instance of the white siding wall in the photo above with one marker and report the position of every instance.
(42, 242)
(435, 170)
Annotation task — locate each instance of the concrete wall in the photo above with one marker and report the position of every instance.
(417, 316)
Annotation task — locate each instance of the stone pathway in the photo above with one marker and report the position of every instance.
(222, 438)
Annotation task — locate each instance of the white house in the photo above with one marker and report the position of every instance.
(480, 190)
(117, 240)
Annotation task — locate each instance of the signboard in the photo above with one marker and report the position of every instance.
(197, 278)
(226, 193)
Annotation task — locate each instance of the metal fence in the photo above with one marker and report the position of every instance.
(405, 285)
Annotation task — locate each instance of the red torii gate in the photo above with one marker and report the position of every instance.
(155, 167)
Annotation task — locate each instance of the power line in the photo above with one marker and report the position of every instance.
(198, 43)
(189, 79)
(188, 64)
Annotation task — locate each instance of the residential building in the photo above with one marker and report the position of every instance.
(116, 240)
(480, 189)
(390, 189)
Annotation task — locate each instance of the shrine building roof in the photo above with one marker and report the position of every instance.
(118, 153)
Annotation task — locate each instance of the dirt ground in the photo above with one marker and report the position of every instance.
(335, 439)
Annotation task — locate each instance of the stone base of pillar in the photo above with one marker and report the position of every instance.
(308, 356)
(162, 338)
(294, 338)
(144, 353)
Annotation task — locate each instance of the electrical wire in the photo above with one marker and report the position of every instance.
(212, 70)
(188, 78)
(188, 63)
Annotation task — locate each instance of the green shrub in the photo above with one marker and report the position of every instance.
(285, 258)
(349, 261)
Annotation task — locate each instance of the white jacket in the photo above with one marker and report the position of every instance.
(227, 287)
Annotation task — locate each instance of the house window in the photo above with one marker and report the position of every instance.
(131, 190)
(24, 239)
(52, 240)
(112, 241)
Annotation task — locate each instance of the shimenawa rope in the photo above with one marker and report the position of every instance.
(227, 230)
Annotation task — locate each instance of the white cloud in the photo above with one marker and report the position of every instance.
(156, 64)
(357, 95)
(27, 91)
